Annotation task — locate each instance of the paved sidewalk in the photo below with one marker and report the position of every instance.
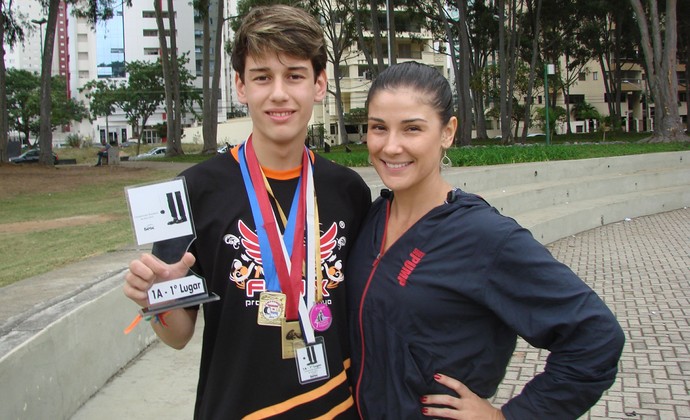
(640, 267)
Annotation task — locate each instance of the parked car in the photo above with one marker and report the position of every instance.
(224, 148)
(31, 156)
(156, 152)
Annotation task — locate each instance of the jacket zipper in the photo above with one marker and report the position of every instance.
(374, 266)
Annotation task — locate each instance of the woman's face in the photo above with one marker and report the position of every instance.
(406, 139)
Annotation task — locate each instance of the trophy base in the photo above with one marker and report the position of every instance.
(180, 303)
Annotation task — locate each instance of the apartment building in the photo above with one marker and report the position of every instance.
(100, 51)
(637, 108)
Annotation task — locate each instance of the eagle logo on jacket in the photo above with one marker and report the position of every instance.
(247, 269)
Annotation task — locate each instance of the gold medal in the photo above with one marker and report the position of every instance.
(271, 309)
(290, 332)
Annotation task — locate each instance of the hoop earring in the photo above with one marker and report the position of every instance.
(445, 161)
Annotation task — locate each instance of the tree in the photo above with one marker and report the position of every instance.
(609, 32)
(684, 53)
(65, 109)
(660, 62)
(24, 103)
(171, 76)
(102, 97)
(338, 24)
(140, 95)
(556, 114)
(10, 33)
(22, 100)
(93, 11)
(584, 111)
(211, 83)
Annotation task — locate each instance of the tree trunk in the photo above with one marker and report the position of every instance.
(660, 59)
(465, 102)
(454, 61)
(208, 122)
(376, 30)
(687, 85)
(166, 64)
(392, 48)
(507, 68)
(532, 72)
(360, 37)
(342, 132)
(4, 124)
(212, 144)
(46, 132)
(174, 140)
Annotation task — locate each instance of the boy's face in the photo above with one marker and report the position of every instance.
(280, 92)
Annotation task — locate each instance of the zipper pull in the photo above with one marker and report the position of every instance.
(376, 260)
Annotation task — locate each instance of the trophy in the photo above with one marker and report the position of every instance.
(160, 212)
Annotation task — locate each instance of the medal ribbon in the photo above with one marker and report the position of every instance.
(268, 268)
(314, 264)
(288, 268)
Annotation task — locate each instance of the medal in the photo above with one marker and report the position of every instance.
(320, 317)
(290, 332)
(271, 309)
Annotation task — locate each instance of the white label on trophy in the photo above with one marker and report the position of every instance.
(176, 289)
(160, 211)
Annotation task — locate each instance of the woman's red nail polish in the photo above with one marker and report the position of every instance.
(425, 410)
(423, 400)
(437, 376)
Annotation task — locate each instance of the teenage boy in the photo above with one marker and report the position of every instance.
(274, 225)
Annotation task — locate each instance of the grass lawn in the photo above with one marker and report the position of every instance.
(50, 217)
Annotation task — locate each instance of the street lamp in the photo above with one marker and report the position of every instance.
(548, 69)
(40, 22)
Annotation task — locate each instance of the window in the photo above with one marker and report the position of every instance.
(582, 77)
(612, 98)
(151, 14)
(83, 55)
(82, 38)
(150, 32)
(595, 75)
(151, 51)
(574, 99)
(83, 74)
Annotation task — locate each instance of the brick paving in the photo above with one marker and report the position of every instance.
(641, 269)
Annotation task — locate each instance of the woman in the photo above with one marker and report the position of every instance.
(443, 284)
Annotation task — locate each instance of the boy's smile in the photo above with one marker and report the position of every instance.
(280, 92)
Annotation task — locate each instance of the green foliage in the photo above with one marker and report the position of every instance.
(74, 140)
(556, 114)
(24, 97)
(102, 97)
(356, 116)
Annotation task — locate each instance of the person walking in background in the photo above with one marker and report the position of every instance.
(440, 284)
(276, 344)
